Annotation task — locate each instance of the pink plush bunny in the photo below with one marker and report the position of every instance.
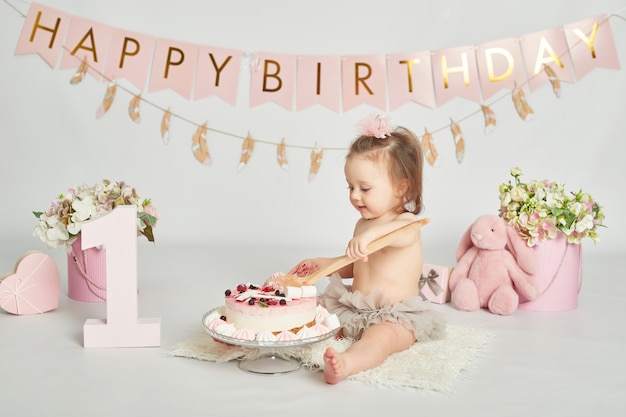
(494, 265)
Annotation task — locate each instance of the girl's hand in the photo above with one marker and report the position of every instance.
(357, 248)
(304, 268)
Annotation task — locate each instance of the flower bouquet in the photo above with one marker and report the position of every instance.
(62, 222)
(553, 221)
(540, 209)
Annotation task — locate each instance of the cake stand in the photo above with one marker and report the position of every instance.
(268, 362)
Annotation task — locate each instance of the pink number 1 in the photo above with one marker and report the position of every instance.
(117, 232)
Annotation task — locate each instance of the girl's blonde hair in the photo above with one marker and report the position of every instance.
(402, 151)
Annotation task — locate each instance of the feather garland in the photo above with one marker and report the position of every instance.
(316, 161)
(199, 147)
(459, 142)
(554, 80)
(430, 152)
(281, 155)
(521, 105)
(80, 73)
(133, 108)
(490, 119)
(246, 152)
(165, 126)
(107, 101)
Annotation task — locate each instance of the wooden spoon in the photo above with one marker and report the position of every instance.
(341, 261)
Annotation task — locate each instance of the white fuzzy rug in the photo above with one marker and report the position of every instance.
(432, 366)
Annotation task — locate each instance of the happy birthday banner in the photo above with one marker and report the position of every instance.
(340, 83)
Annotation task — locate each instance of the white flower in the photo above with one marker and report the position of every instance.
(586, 223)
(57, 235)
(84, 209)
(551, 198)
(51, 231)
(75, 227)
(518, 194)
(505, 199)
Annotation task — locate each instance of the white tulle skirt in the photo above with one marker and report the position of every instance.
(357, 312)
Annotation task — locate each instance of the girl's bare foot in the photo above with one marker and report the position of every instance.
(334, 366)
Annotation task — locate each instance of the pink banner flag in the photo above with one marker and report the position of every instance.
(173, 66)
(217, 73)
(130, 55)
(547, 47)
(364, 81)
(455, 74)
(272, 78)
(591, 45)
(43, 33)
(410, 79)
(319, 82)
(89, 41)
(500, 66)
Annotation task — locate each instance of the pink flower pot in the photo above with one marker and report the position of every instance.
(559, 276)
(86, 273)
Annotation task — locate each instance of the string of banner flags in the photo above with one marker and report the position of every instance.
(430, 81)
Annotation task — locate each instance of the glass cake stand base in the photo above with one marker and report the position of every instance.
(268, 362)
(269, 365)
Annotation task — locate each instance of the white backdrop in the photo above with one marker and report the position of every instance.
(51, 139)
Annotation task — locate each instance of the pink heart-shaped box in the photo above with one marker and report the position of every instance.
(33, 288)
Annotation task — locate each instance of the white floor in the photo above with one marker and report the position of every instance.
(538, 364)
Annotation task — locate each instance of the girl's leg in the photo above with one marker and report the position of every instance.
(376, 343)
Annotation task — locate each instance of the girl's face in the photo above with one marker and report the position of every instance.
(372, 191)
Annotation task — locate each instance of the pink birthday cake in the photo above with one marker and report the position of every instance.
(266, 314)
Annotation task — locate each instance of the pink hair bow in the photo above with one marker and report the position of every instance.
(376, 125)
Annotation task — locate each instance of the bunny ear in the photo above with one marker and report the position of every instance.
(465, 243)
(524, 254)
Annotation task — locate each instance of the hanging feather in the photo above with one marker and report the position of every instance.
(281, 155)
(554, 80)
(199, 147)
(80, 73)
(432, 156)
(133, 108)
(108, 99)
(246, 152)
(316, 160)
(522, 107)
(165, 126)
(490, 119)
(459, 143)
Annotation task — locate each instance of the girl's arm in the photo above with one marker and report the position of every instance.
(364, 235)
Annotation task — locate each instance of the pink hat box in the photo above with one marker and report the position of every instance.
(559, 276)
(86, 273)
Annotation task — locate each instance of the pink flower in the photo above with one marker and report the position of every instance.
(151, 210)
